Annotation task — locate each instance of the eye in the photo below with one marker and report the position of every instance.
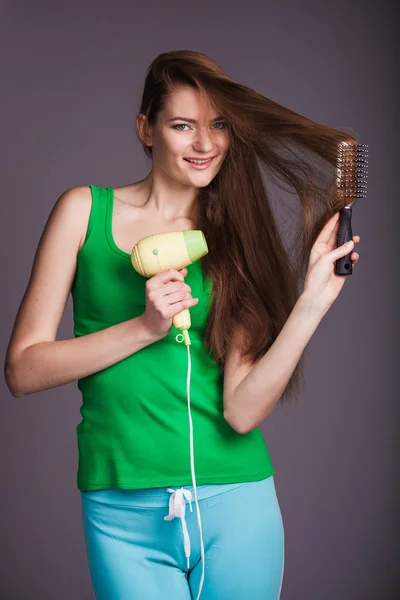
(221, 123)
(180, 125)
(184, 125)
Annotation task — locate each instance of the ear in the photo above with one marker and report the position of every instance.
(144, 129)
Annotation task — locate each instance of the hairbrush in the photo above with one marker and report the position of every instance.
(351, 184)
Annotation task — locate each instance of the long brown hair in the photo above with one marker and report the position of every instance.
(255, 276)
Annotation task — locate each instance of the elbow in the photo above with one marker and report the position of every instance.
(238, 425)
(16, 393)
(11, 381)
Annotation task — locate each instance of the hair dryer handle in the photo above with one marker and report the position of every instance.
(182, 322)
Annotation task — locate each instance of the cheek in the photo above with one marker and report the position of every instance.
(174, 146)
(223, 143)
(167, 146)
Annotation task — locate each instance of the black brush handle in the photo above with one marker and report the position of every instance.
(344, 265)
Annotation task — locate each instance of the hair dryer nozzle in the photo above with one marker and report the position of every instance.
(195, 243)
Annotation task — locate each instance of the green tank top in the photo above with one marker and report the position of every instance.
(134, 432)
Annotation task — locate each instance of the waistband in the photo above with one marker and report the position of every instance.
(159, 497)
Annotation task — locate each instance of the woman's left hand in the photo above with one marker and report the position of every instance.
(322, 284)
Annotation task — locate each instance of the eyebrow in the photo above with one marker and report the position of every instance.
(192, 120)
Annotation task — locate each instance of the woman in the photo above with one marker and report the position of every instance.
(249, 329)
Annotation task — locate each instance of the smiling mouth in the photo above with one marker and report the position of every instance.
(199, 163)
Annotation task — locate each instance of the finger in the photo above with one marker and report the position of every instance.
(328, 229)
(332, 242)
(342, 250)
(168, 275)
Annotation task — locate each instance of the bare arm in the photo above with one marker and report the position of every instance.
(35, 361)
(252, 391)
(45, 365)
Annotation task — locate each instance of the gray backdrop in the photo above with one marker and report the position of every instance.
(72, 76)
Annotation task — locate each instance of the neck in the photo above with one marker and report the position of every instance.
(166, 198)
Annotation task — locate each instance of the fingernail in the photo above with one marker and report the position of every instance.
(350, 243)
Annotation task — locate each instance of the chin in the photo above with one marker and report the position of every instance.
(202, 181)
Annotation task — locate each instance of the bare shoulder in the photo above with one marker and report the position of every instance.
(74, 206)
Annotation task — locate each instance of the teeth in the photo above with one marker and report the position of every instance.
(198, 162)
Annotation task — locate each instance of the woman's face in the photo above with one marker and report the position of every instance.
(196, 134)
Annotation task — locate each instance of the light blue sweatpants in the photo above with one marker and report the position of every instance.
(135, 554)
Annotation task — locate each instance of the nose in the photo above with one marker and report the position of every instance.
(203, 141)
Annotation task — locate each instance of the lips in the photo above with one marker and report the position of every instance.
(199, 166)
(193, 158)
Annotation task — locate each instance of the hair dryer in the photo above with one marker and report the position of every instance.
(174, 249)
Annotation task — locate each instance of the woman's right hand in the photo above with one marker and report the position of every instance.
(167, 294)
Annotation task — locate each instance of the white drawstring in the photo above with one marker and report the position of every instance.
(177, 508)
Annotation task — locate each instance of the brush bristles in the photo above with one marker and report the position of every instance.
(352, 171)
